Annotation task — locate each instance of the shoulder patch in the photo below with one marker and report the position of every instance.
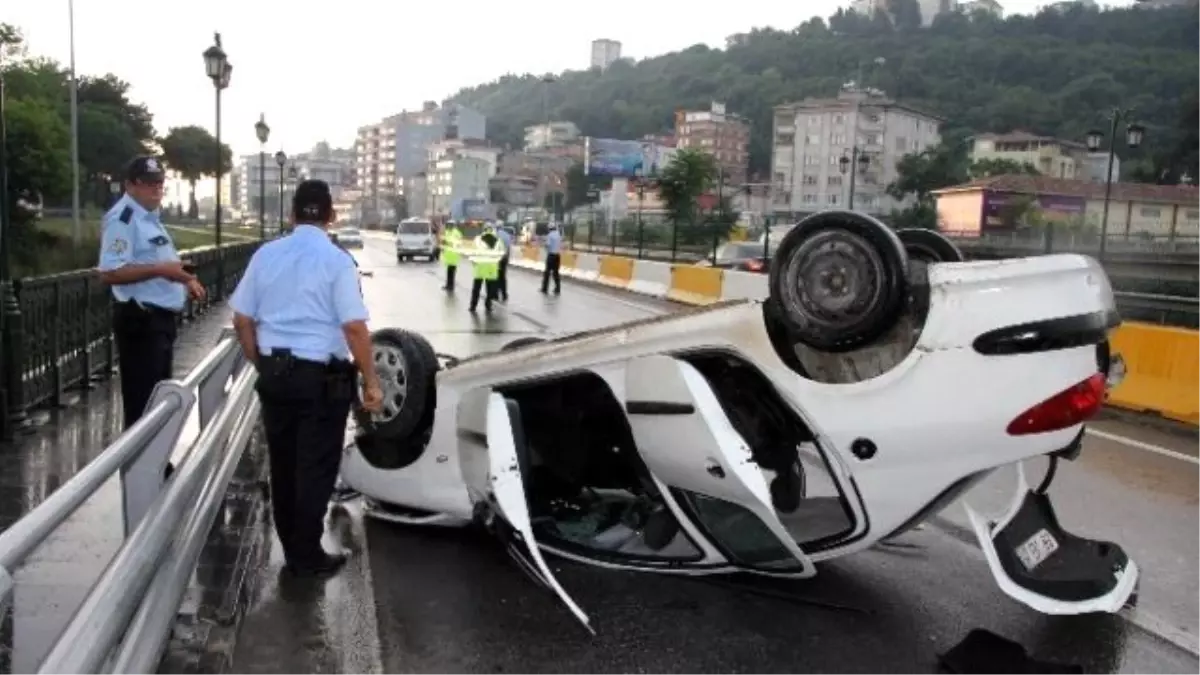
(126, 215)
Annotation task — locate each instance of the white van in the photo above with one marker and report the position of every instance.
(415, 237)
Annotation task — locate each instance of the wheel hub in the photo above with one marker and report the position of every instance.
(835, 278)
(393, 379)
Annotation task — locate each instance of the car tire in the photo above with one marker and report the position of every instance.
(407, 367)
(928, 246)
(522, 342)
(840, 299)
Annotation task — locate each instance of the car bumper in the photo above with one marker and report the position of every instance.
(415, 250)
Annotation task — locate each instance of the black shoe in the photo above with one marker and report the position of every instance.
(488, 308)
(471, 309)
(558, 291)
(327, 565)
(544, 291)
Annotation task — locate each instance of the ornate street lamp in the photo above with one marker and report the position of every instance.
(263, 132)
(219, 70)
(855, 162)
(280, 160)
(1134, 134)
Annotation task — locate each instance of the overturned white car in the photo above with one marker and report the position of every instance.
(868, 392)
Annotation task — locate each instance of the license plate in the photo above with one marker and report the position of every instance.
(1037, 548)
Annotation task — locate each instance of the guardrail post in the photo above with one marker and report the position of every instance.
(212, 389)
(14, 358)
(56, 344)
(85, 381)
(142, 479)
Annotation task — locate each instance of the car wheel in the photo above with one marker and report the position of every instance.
(928, 246)
(839, 279)
(521, 342)
(407, 367)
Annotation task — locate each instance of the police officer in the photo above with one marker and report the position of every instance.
(150, 285)
(485, 263)
(299, 316)
(553, 246)
(506, 239)
(451, 240)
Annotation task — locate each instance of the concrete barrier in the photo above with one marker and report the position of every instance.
(695, 285)
(743, 286)
(650, 278)
(615, 271)
(1163, 371)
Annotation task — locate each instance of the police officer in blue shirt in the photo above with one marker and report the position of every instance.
(299, 316)
(553, 246)
(150, 285)
(506, 238)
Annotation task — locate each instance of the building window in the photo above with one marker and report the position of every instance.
(837, 139)
(832, 199)
(834, 180)
(810, 180)
(812, 139)
(809, 199)
(839, 119)
(834, 160)
(901, 144)
(812, 160)
(1148, 212)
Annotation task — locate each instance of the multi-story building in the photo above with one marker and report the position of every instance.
(930, 9)
(549, 169)
(387, 152)
(1095, 164)
(333, 166)
(554, 134)
(725, 135)
(812, 136)
(605, 53)
(464, 147)
(457, 185)
(513, 190)
(1050, 156)
(416, 196)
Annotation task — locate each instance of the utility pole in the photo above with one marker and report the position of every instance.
(77, 225)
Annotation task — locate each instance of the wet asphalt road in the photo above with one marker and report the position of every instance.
(422, 600)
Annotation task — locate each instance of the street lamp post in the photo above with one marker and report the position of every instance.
(219, 70)
(854, 162)
(280, 160)
(263, 132)
(1133, 138)
(10, 313)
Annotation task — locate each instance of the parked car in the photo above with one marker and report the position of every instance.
(742, 256)
(416, 237)
(684, 443)
(349, 237)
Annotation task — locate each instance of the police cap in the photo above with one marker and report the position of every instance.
(145, 169)
(312, 202)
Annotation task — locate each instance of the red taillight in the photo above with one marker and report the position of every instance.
(1065, 409)
(754, 265)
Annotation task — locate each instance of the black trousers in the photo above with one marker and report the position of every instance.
(490, 295)
(305, 406)
(145, 338)
(553, 260)
(450, 271)
(502, 280)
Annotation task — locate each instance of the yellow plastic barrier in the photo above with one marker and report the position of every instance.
(695, 285)
(568, 258)
(615, 270)
(1163, 371)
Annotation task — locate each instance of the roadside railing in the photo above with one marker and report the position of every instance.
(59, 334)
(131, 608)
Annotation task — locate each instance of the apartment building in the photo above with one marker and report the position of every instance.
(726, 136)
(605, 53)
(387, 152)
(334, 166)
(812, 136)
(930, 9)
(1052, 157)
(464, 147)
(457, 186)
(554, 134)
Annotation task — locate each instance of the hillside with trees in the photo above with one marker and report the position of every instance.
(1053, 73)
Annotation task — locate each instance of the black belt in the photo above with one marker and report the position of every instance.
(284, 356)
(136, 306)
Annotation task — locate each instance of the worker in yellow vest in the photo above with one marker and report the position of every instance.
(451, 242)
(485, 258)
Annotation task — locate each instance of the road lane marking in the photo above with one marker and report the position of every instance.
(1141, 445)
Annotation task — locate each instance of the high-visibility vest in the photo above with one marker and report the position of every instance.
(485, 260)
(451, 240)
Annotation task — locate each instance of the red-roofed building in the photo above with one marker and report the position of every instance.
(1135, 209)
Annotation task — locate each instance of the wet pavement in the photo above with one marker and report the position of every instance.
(56, 578)
(430, 600)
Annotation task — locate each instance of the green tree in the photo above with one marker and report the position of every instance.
(983, 168)
(689, 174)
(192, 152)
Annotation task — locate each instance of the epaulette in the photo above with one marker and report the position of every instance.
(126, 215)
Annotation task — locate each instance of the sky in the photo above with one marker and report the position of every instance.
(364, 59)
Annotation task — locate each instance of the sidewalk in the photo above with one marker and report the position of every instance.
(56, 578)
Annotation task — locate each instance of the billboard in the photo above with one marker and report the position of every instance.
(998, 214)
(623, 159)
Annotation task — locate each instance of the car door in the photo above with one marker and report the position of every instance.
(689, 444)
(505, 477)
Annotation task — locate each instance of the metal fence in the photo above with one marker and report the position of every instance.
(59, 333)
(128, 614)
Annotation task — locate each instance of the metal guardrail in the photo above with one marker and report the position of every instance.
(132, 606)
(60, 335)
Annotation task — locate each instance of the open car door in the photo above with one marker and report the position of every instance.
(689, 443)
(507, 467)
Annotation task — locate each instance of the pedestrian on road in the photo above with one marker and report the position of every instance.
(451, 240)
(506, 239)
(553, 246)
(150, 285)
(299, 316)
(485, 263)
